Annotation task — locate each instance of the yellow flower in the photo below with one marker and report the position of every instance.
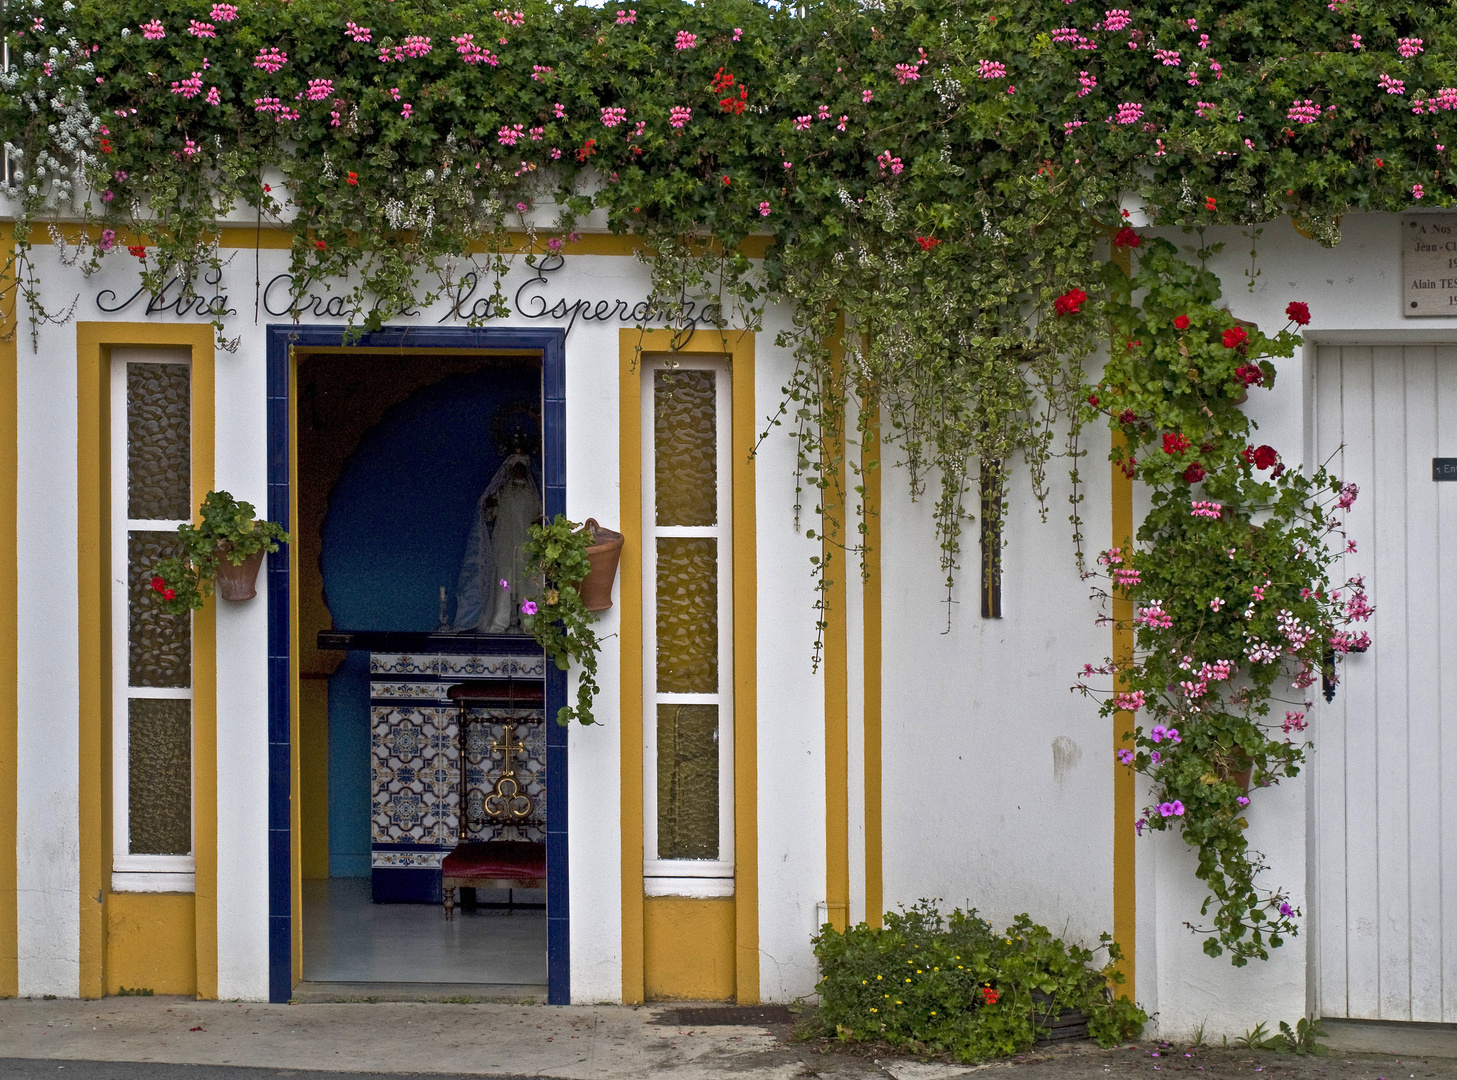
(880, 976)
(874, 1009)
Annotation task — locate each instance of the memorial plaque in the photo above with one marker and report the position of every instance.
(1429, 265)
(1444, 469)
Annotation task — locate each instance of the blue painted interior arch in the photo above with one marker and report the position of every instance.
(550, 346)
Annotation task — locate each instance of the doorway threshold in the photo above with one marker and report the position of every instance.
(313, 993)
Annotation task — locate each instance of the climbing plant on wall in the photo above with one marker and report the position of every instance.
(937, 178)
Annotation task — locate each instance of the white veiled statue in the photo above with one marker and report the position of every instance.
(510, 504)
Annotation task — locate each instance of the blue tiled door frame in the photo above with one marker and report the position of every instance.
(550, 345)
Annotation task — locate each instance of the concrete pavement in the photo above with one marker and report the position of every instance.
(182, 1039)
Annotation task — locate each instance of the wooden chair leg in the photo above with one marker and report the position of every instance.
(449, 904)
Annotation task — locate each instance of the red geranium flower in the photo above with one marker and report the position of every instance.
(1209, 203)
(139, 250)
(1126, 237)
(1264, 457)
(1235, 336)
(1069, 302)
(588, 149)
(726, 181)
(927, 242)
(1127, 417)
(1297, 312)
(1248, 453)
(352, 179)
(1181, 322)
(158, 584)
(1129, 465)
(169, 594)
(1194, 473)
(1175, 443)
(1093, 400)
(1249, 374)
(320, 245)
(990, 996)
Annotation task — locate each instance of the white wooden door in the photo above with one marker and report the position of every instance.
(1385, 767)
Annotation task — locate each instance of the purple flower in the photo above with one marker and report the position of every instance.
(108, 239)
(1177, 808)
(1126, 756)
(1166, 809)
(505, 585)
(1242, 801)
(1286, 910)
(529, 607)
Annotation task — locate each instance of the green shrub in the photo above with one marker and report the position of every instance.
(952, 985)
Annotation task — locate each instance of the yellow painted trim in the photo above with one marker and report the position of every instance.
(1125, 930)
(834, 566)
(151, 943)
(204, 684)
(9, 652)
(295, 818)
(739, 347)
(276, 238)
(689, 948)
(746, 674)
(629, 453)
(94, 342)
(872, 661)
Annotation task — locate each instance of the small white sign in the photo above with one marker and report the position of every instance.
(1429, 265)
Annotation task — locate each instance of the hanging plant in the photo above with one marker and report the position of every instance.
(1235, 616)
(228, 535)
(559, 618)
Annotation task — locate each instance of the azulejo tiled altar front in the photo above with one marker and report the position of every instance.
(415, 750)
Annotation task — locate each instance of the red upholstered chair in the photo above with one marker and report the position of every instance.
(491, 864)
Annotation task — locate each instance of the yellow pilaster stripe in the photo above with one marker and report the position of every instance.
(94, 342)
(93, 528)
(836, 660)
(629, 453)
(1124, 795)
(204, 678)
(746, 676)
(9, 646)
(874, 821)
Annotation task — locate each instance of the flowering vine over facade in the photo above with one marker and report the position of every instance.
(929, 176)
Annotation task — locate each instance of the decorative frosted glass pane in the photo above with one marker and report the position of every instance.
(687, 615)
(159, 775)
(158, 442)
(159, 646)
(685, 440)
(687, 781)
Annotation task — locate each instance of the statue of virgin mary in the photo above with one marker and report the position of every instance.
(495, 576)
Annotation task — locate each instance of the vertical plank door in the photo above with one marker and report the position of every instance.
(1384, 879)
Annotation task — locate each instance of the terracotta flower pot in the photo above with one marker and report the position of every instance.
(237, 582)
(604, 551)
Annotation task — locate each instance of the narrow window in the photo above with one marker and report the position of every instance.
(993, 485)
(151, 494)
(687, 604)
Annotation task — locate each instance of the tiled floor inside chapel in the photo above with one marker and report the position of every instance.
(349, 939)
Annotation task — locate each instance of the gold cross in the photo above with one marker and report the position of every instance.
(508, 747)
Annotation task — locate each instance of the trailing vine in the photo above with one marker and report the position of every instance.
(1229, 581)
(933, 180)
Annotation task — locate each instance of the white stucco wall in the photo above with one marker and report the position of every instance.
(997, 784)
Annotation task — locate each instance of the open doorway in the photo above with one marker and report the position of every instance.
(416, 474)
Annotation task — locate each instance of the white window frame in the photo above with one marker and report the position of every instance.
(689, 877)
(135, 873)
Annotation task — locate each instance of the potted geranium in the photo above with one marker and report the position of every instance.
(227, 547)
(561, 618)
